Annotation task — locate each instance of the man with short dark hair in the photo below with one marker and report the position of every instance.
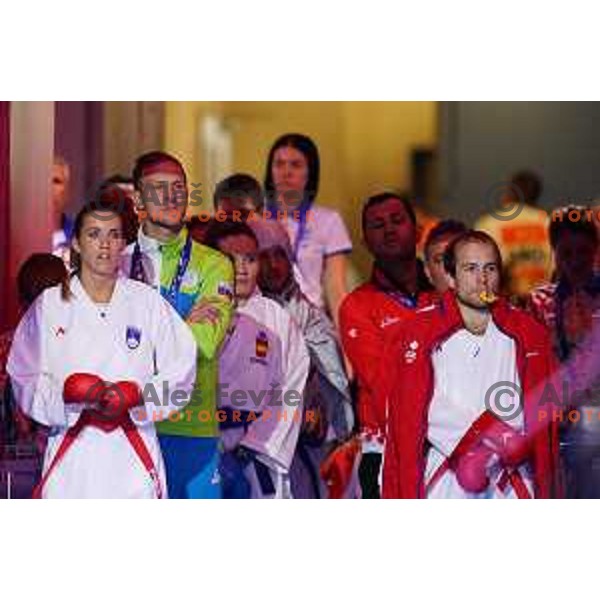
(239, 192)
(567, 304)
(438, 240)
(368, 313)
(460, 425)
(238, 198)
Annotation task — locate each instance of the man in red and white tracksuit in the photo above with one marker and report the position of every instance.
(464, 388)
(373, 310)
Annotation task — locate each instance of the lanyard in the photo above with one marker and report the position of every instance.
(403, 299)
(137, 270)
(301, 232)
(184, 261)
(381, 282)
(299, 235)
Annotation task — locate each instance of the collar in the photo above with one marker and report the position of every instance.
(79, 291)
(500, 311)
(150, 245)
(381, 280)
(249, 303)
(383, 283)
(450, 310)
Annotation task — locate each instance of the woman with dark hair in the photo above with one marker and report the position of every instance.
(319, 238)
(119, 190)
(82, 361)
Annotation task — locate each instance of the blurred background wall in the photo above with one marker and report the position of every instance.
(482, 143)
(4, 206)
(446, 155)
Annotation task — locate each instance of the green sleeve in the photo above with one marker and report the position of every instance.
(217, 273)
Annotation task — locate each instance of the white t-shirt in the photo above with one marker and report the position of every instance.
(325, 234)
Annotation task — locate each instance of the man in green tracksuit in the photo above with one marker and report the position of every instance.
(198, 282)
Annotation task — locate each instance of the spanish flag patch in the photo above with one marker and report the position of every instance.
(262, 345)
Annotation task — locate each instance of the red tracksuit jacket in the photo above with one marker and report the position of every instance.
(367, 316)
(409, 388)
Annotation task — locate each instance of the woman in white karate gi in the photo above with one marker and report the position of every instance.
(98, 361)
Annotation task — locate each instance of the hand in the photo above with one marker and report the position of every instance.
(205, 311)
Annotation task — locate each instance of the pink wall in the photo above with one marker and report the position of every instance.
(4, 211)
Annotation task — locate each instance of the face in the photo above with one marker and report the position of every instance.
(60, 181)
(477, 271)
(164, 197)
(575, 254)
(128, 189)
(290, 173)
(389, 231)
(275, 270)
(240, 203)
(243, 251)
(100, 244)
(434, 264)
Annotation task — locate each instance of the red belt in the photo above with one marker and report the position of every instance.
(471, 437)
(509, 476)
(516, 480)
(91, 418)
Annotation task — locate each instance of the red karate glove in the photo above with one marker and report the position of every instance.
(83, 388)
(511, 446)
(119, 398)
(472, 469)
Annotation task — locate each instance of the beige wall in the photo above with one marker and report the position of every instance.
(182, 133)
(378, 140)
(130, 129)
(364, 146)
